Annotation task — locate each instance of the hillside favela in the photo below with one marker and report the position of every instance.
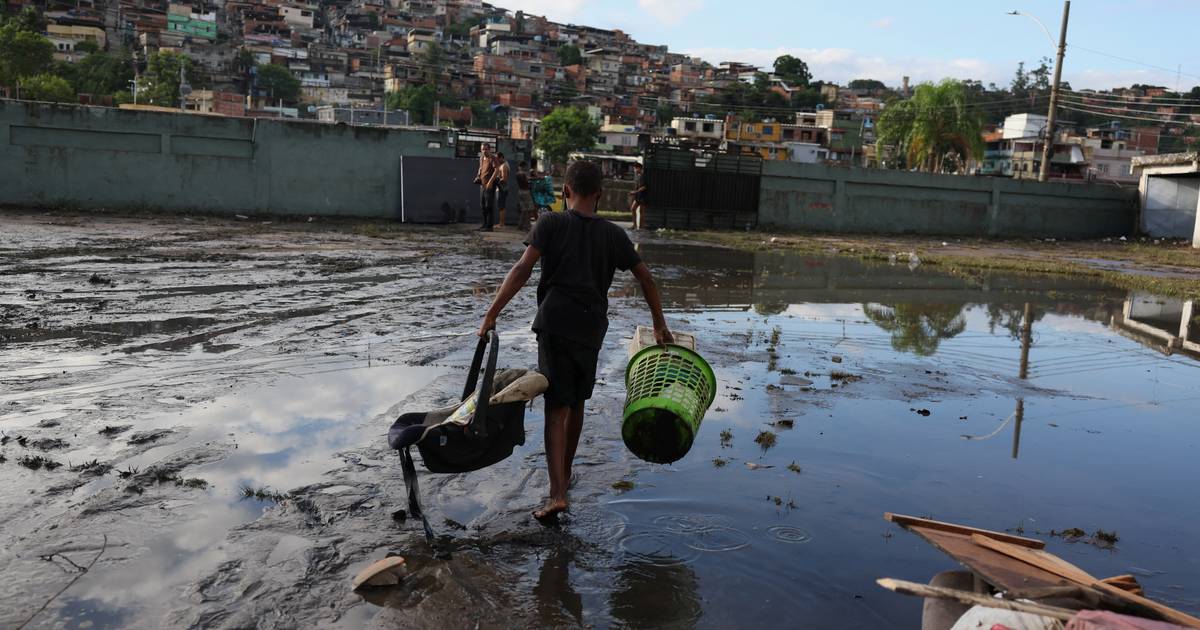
(579, 314)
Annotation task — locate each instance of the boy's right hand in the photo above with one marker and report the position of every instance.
(489, 323)
(663, 336)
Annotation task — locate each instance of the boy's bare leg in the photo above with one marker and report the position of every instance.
(556, 459)
(574, 430)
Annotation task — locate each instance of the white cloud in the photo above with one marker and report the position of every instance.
(670, 12)
(882, 23)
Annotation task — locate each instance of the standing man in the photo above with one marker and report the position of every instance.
(638, 196)
(483, 177)
(580, 252)
(501, 175)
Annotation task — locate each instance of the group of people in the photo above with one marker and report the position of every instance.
(535, 191)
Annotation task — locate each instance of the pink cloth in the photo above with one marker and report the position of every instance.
(1104, 620)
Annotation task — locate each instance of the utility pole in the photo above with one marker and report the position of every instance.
(1048, 147)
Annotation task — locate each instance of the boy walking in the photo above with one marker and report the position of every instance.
(580, 252)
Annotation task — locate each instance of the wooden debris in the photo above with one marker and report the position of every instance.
(974, 599)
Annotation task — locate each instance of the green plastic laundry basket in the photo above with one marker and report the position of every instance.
(668, 389)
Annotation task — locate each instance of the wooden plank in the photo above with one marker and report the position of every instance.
(910, 521)
(997, 569)
(1036, 557)
(975, 599)
(1058, 566)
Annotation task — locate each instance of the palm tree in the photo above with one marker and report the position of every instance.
(939, 124)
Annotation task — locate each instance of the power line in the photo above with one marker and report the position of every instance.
(1113, 109)
(1135, 61)
(1112, 115)
(1145, 100)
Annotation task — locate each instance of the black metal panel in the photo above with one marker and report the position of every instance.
(687, 192)
(442, 190)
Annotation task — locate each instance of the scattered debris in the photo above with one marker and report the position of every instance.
(836, 358)
(921, 412)
(754, 466)
(793, 467)
(623, 485)
(99, 279)
(783, 424)
(787, 372)
(845, 377)
(765, 439)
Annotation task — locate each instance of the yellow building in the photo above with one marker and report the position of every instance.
(751, 131)
(76, 33)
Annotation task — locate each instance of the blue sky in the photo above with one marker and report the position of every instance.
(926, 40)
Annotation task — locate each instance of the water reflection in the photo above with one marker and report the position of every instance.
(917, 328)
(558, 603)
(655, 594)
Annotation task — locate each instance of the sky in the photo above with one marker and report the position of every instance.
(1110, 43)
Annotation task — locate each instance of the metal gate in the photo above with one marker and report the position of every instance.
(687, 191)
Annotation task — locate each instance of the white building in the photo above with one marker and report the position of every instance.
(1023, 126)
(699, 128)
(806, 152)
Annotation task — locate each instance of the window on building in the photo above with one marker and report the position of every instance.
(749, 128)
(767, 130)
(789, 134)
(708, 127)
(689, 126)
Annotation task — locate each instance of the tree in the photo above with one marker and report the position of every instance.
(433, 58)
(23, 52)
(47, 87)
(569, 55)
(939, 125)
(277, 82)
(917, 328)
(418, 101)
(866, 84)
(160, 83)
(564, 130)
(100, 73)
(792, 70)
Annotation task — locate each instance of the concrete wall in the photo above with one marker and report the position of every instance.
(825, 198)
(102, 157)
(1170, 205)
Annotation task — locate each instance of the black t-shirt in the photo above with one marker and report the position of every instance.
(522, 180)
(579, 256)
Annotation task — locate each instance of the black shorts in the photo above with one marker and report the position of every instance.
(569, 366)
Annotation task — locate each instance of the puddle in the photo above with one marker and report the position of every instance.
(1002, 401)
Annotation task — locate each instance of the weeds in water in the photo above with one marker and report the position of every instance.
(262, 494)
(1069, 533)
(765, 439)
(92, 469)
(791, 503)
(22, 441)
(3, 458)
(113, 431)
(1020, 528)
(128, 472)
(1108, 538)
(726, 437)
(793, 467)
(776, 500)
(135, 489)
(623, 485)
(719, 463)
(193, 482)
(783, 424)
(37, 462)
(787, 372)
(5, 439)
(839, 375)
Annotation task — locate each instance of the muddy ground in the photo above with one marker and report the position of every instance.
(156, 370)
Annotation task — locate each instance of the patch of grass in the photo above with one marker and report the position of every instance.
(765, 439)
(793, 467)
(376, 230)
(623, 485)
(262, 493)
(37, 462)
(838, 375)
(726, 437)
(615, 215)
(719, 463)
(92, 469)
(1070, 532)
(128, 472)
(49, 444)
(1108, 538)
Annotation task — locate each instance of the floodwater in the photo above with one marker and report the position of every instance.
(274, 359)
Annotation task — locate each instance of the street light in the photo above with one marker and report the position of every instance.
(1039, 23)
(1048, 146)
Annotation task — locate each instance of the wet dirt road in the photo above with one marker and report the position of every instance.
(154, 367)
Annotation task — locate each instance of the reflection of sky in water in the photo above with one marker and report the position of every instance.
(1107, 438)
(287, 435)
